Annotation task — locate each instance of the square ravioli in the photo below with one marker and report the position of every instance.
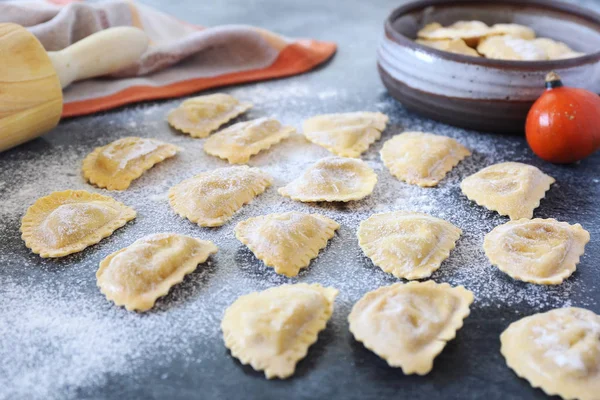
(557, 351)
(408, 245)
(117, 164)
(332, 179)
(136, 276)
(542, 251)
(422, 158)
(201, 115)
(345, 134)
(510, 188)
(67, 222)
(211, 198)
(408, 325)
(288, 241)
(273, 329)
(241, 141)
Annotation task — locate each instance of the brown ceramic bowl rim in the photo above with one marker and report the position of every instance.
(577, 11)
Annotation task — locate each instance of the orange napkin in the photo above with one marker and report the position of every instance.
(182, 58)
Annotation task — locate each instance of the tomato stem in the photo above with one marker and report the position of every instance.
(553, 80)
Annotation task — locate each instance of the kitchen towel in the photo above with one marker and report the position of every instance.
(182, 58)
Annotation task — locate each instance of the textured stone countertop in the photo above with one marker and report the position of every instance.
(61, 339)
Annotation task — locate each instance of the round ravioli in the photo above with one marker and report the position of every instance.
(507, 47)
(557, 351)
(332, 179)
(406, 244)
(543, 251)
(199, 116)
(345, 134)
(241, 141)
(510, 188)
(67, 222)
(457, 46)
(139, 274)
(117, 164)
(421, 158)
(273, 329)
(408, 325)
(469, 31)
(514, 30)
(287, 241)
(211, 198)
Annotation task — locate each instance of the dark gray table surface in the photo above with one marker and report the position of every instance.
(60, 338)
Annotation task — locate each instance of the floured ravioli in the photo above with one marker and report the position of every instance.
(556, 50)
(542, 251)
(211, 198)
(457, 46)
(287, 242)
(241, 141)
(511, 48)
(346, 134)
(136, 276)
(510, 188)
(557, 351)
(332, 179)
(469, 31)
(514, 30)
(408, 245)
(408, 325)
(422, 158)
(273, 329)
(67, 222)
(117, 164)
(201, 115)
(500, 41)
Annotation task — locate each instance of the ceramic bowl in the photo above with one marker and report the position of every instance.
(479, 93)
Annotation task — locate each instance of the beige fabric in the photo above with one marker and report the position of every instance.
(207, 52)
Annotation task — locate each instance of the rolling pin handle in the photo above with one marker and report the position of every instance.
(101, 53)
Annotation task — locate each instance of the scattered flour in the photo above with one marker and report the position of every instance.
(59, 335)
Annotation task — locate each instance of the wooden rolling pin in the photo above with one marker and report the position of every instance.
(31, 79)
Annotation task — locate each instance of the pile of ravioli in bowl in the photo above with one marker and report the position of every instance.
(500, 41)
(408, 324)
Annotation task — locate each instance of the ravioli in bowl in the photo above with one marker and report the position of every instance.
(481, 64)
(503, 41)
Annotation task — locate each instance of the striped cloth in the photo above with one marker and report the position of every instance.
(182, 58)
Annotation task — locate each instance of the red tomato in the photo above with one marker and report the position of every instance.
(563, 125)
